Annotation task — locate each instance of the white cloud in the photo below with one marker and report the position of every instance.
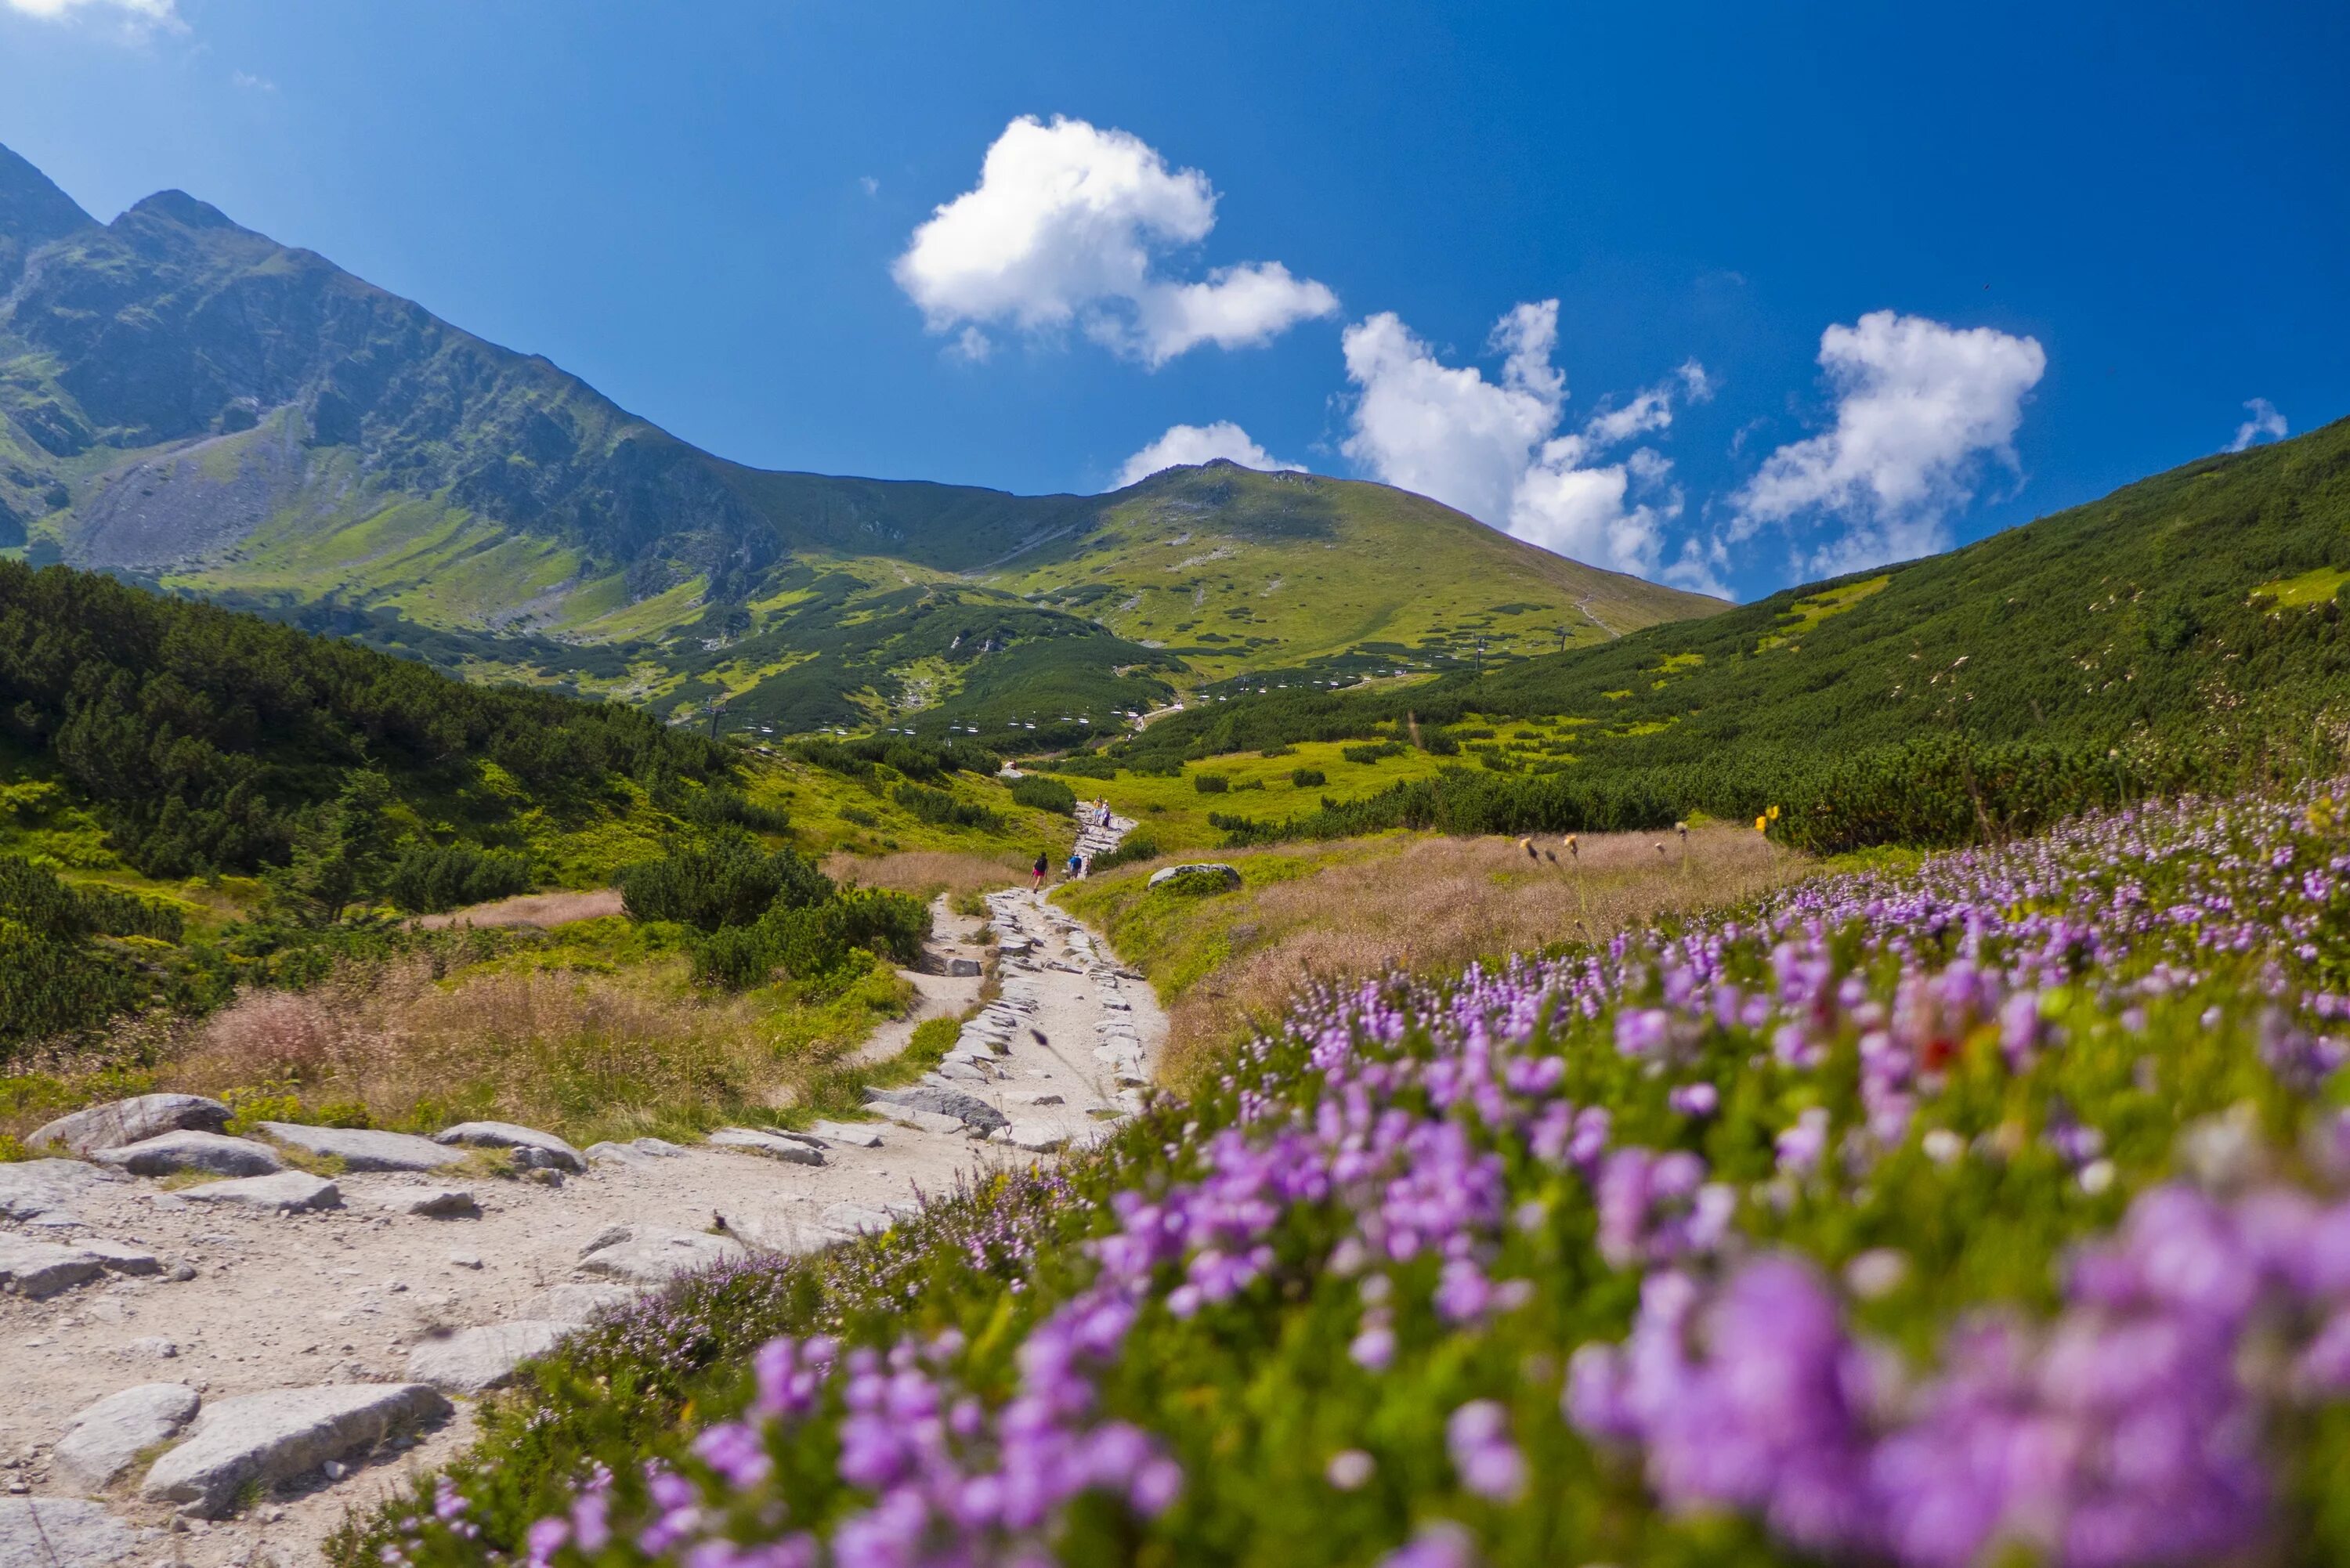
(135, 16)
(868, 185)
(1919, 406)
(1065, 229)
(1198, 443)
(1493, 447)
(2266, 424)
(246, 81)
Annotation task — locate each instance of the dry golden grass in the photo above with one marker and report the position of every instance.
(540, 909)
(930, 872)
(1225, 963)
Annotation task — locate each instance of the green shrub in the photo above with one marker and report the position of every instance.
(728, 880)
(1277, 751)
(1308, 778)
(1365, 755)
(1044, 794)
(1135, 847)
(941, 809)
(816, 943)
(1211, 784)
(1436, 744)
(431, 877)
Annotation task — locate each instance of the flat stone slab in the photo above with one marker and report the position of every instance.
(654, 1254)
(288, 1191)
(855, 1135)
(429, 1202)
(1035, 1097)
(923, 1121)
(1036, 1137)
(476, 1360)
(217, 1154)
(968, 1110)
(793, 1147)
(37, 1268)
(32, 1188)
(858, 1219)
(544, 1148)
(121, 1257)
(263, 1440)
(103, 1440)
(791, 1229)
(575, 1304)
(134, 1120)
(365, 1149)
(67, 1533)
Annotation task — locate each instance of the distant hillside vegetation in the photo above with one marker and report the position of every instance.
(188, 404)
(2189, 625)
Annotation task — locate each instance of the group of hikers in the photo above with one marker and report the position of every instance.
(1089, 814)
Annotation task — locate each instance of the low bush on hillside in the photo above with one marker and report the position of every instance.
(760, 912)
(941, 809)
(1044, 794)
(429, 878)
(1135, 847)
(71, 958)
(727, 880)
(1980, 1211)
(1211, 784)
(1308, 778)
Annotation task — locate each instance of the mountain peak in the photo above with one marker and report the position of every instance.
(33, 211)
(178, 207)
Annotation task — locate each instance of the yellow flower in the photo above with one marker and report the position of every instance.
(1761, 823)
(1773, 814)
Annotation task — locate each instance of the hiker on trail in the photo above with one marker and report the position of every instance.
(1041, 868)
(1075, 863)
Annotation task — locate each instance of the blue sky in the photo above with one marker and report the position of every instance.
(1833, 284)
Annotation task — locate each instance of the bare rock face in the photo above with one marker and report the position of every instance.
(474, 1360)
(215, 1153)
(30, 1188)
(262, 1439)
(531, 1147)
(655, 1254)
(364, 1149)
(105, 1438)
(133, 1120)
(37, 1269)
(285, 1192)
(67, 1533)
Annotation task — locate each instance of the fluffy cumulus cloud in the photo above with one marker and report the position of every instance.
(1068, 228)
(1921, 408)
(1496, 449)
(132, 16)
(1198, 443)
(2265, 424)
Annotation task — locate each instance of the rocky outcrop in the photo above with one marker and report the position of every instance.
(475, 1360)
(133, 1120)
(365, 1149)
(215, 1154)
(37, 1269)
(530, 1147)
(104, 1440)
(968, 1110)
(263, 1440)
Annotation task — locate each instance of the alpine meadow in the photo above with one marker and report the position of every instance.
(1609, 908)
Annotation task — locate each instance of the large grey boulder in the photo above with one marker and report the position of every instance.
(796, 1149)
(475, 1360)
(262, 1439)
(365, 1149)
(67, 1533)
(531, 1147)
(968, 1110)
(134, 1120)
(217, 1154)
(574, 1305)
(105, 1438)
(655, 1254)
(1228, 874)
(285, 1192)
(30, 1188)
(37, 1269)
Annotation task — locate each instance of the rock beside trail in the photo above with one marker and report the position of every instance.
(215, 1154)
(105, 1438)
(575, 1304)
(263, 1440)
(791, 1229)
(30, 1188)
(654, 1254)
(133, 1120)
(285, 1192)
(1036, 1137)
(475, 1360)
(794, 1148)
(854, 1135)
(37, 1268)
(121, 1257)
(67, 1533)
(427, 1202)
(962, 968)
(923, 1121)
(968, 1110)
(1228, 874)
(365, 1149)
(531, 1147)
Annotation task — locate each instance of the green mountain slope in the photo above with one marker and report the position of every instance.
(2187, 624)
(191, 404)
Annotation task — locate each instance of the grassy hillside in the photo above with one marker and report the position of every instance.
(191, 404)
(2182, 631)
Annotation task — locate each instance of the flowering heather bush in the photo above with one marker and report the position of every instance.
(1982, 1214)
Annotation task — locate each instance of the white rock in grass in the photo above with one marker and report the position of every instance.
(560, 1154)
(133, 1120)
(286, 1192)
(67, 1533)
(365, 1149)
(474, 1360)
(262, 1439)
(789, 1146)
(654, 1254)
(215, 1153)
(37, 1268)
(104, 1440)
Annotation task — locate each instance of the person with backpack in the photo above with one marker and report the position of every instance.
(1040, 869)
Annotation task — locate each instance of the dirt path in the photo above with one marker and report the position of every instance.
(345, 1293)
